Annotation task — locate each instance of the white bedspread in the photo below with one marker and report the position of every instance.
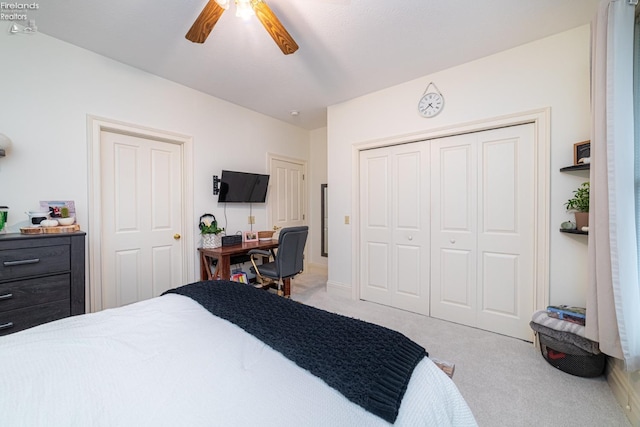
(169, 362)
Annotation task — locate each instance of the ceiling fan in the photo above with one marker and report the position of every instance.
(214, 9)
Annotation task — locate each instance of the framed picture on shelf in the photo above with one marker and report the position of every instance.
(581, 152)
(59, 208)
(250, 236)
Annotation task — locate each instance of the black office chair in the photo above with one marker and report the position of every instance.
(287, 261)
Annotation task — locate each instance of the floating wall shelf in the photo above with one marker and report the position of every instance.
(574, 231)
(583, 167)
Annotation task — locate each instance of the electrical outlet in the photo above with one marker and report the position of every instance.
(346, 219)
(252, 219)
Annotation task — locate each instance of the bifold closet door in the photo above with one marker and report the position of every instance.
(482, 225)
(394, 226)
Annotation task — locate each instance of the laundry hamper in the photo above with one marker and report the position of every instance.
(570, 358)
(563, 347)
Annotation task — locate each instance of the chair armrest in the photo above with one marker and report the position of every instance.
(259, 252)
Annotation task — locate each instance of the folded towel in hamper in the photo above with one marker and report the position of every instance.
(542, 318)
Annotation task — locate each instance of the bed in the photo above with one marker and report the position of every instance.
(169, 361)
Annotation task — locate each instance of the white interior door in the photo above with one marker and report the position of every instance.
(287, 193)
(394, 227)
(483, 191)
(141, 218)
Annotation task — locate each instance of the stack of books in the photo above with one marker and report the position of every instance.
(239, 277)
(570, 314)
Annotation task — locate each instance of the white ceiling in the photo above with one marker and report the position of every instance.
(348, 48)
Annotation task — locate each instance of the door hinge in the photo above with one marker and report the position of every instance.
(303, 217)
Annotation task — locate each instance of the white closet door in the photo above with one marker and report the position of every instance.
(394, 227)
(482, 225)
(506, 220)
(454, 228)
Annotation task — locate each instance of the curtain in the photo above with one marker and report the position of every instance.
(613, 295)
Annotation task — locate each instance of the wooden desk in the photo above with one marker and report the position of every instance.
(223, 255)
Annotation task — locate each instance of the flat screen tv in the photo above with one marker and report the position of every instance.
(243, 187)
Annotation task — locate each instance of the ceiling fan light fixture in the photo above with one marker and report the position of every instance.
(214, 9)
(223, 4)
(244, 9)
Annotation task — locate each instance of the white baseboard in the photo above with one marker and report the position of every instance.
(339, 289)
(623, 391)
(317, 268)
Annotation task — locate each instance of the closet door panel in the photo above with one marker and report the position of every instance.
(394, 226)
(410, 236)
(456, 273)
(499, 296)
(454, 229)
(506, 223)
(375, 243)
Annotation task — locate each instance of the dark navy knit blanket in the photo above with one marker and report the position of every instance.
(369, 364)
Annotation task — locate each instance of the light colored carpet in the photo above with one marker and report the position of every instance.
(505, 381)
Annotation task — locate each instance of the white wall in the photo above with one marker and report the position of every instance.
(48, 89)
(317, 176)
(552, 72)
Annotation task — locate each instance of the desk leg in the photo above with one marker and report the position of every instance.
(205, 269)
(224, 267)
(287, 287)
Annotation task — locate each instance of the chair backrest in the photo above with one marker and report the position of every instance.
(289, 259)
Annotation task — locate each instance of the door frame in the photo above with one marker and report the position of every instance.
(95, 125)
(540, 118)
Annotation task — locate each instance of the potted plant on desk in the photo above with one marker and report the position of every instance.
(211, 233)
(579, 204)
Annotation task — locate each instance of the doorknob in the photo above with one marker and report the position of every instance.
(452, 240)
(176, 236)
(410, 237)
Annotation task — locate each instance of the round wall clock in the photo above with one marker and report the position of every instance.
(431, 102)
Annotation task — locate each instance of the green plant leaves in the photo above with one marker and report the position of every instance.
(580, 201)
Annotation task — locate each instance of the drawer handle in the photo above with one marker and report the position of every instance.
(6, 296)
(6, 325)
(21, 262)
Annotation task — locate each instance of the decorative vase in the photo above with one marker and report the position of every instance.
(582, 220)
(211, 241)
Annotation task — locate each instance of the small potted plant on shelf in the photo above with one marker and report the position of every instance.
(211, 233)
(65, 218)
(579, 204)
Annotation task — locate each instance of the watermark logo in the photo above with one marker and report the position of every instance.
(16, 11)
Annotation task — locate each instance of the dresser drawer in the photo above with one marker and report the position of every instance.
(28, 292)
(25, 262)
(23, 318)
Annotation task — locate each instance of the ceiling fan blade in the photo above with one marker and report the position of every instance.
(274, 27)
(203, 25)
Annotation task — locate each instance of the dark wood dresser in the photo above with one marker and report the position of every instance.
(41, 279)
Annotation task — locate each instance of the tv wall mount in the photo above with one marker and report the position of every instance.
(216, 185)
